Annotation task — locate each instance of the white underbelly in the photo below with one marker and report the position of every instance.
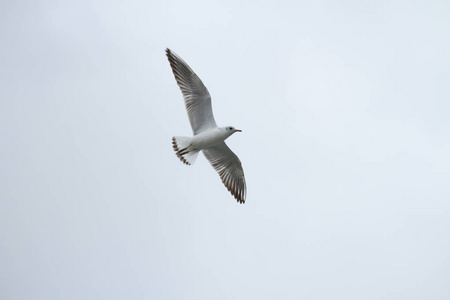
(207, 139)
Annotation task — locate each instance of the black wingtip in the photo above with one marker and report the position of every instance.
(172, 58)
(240, 198)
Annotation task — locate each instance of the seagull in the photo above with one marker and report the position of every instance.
(208, 137)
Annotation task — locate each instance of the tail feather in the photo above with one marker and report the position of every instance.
(181, 146)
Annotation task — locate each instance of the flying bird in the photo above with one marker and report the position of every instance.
(208, 137)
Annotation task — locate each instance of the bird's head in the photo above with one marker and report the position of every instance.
(230, 130)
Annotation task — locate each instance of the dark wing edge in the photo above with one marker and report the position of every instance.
(196, 96)
(229, 167)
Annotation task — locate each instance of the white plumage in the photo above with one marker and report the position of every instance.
(207, 136)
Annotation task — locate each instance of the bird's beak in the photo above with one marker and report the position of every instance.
(237, 130)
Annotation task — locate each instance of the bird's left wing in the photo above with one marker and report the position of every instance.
(229, 167)
(196, 95)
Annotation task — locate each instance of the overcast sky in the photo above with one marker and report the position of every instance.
(345, 112)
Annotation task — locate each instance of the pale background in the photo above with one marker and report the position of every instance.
(345, 112)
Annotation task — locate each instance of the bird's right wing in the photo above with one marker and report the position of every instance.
(196, 95)
(229, 167)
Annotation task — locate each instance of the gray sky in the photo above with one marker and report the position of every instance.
(344, 108)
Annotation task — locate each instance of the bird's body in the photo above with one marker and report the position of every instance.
(207, 135)
(209, 138)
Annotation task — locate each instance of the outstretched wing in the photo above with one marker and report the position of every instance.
(196, 95)
(229, 167)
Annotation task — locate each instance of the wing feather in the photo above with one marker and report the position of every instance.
(229, 167)
(196, 95)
